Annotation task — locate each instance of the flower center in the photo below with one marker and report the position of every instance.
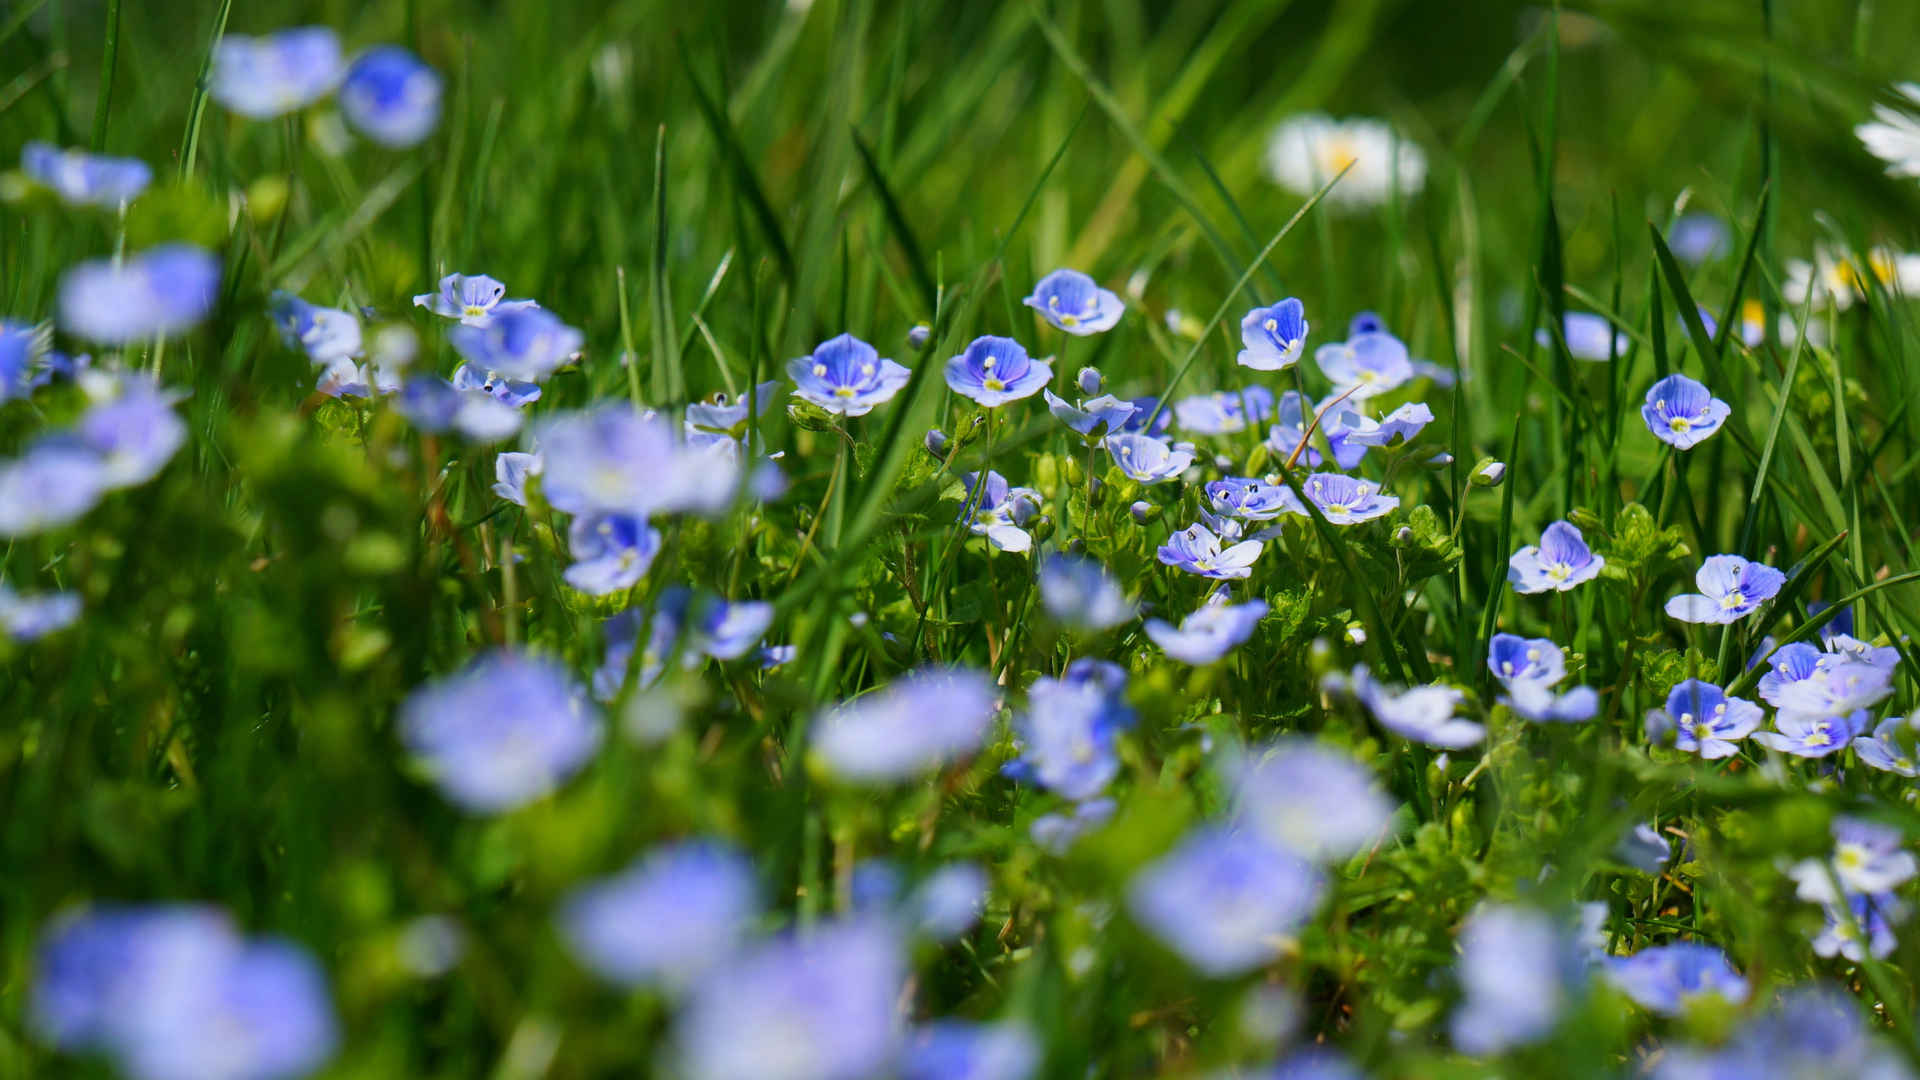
(474, 311)
(1732, 600)
(843, 391)
(1680, 424)
(994, 384)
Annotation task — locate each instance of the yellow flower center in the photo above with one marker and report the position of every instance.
(1680, 424)
(843, 391)
(474, 311)
(993, 384)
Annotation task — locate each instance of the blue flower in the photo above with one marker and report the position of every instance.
(667, 918)
(728, 629)
(817, 1005)
(1424, 714)
(1209, 633)
(176, 993)
(1868, 858)
(1196, 549)
(1588, 337)
(1366, 322)
(996, 370)
(436, 406)
(83, 179)
(324, 334)
(956, 1050)
(263, 77)
(504, 731)
(1310, 799)
(1813, 1031)
(133, 429)
(1345, 500)
(471, 298)
(1400, 425)
(1224, 412)
(1513, 658)
(1368, 365)
(21, 347)
(28, 617)
(999, 511)
(1682, 412)
(1273, 336)
(52, 485)
(507, 391)
(1224, 900)
(1067, 738)
(1731, 588)
(1873, 916)
(614, 459)
(1142, 408)
(1538, 703)
(1094, 418)
(1073, 302)
(1147, 459)
(1316, 1063)
(1251, 500)
(1089, 380)
(1704, 720)
(1056, 833)
(611, 552)
(1665, 978)
(1817, 684)
(911, 726)
(391, 97)
(1520, 970)
(1643, 848)
(1697, 237)
(948, 902)
(721, 422)
(846, 376)
(524, 343)
(1079, 594)
(1289, 434)
(1560, 562)
(511, 470)
(161, 291)
(1890, 748)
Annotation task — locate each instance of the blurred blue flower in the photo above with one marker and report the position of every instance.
(1424, 714)
(1274, 336)
(818, 1005)
(1520, 971)
(1074, 302)
(611, 552)
(667, 918)
(996, 370)
(1088, 417)
(1664, 978)
(1681, 412)
(83, 179)
(21, 347)
(1056, 832)
(133, 429)
(1080, 595)
(470, 298)
(159, 292)
(948, 902)
(1696, 237)
(1806, 736)
(1224, 412)
(53, 484)
(729, 629)
(1211, 632)
(391, 97)
(1366, 364)
(436, 406)
(1196, 549)
(263, 77)
(28, 617)
(846, 376)
(1890, 748)
(519, 395)
(875, 885)
(957, 1050)
(1589, 337)
(324, 334)
(1831, 685)
(1001, 512)
(1398, 426)
(917, 723)
(1142, 408)
(1066, 737)
(1310, 799)
(1867, 858)
(527, 343)
(1731, 588)
(507, 729)
(1874, 918)
(722, 422)
(1539, 703)
(1147, 459)
(614, 459)
(1225, 900)
(1366, 322)
(1813, 1031)
(1643, 848)
(1346, 500)
(1561, 561)
(1703, 719)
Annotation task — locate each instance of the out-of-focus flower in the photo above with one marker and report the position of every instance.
(263, 77)
(528, 343)
(722, 422)
(1308, 150)
(391, 97)
(1224, 412)
(1209, 633)
(28, 617)
(948, 902)
(22, 345)
(1890, 748)
(1056, 832)
(1731, 588)
(1589, 337)
(916, 723)
(1643, 848)
(1225, 900)
(1074, 302)
(1813, 1031)
(83, 179)
(1520, 970)
(1273, 336)
(996, 370)
(507, 391)
(1310, 799)
(1703, 719)
(1834, 277)
(1080, 595)
(1424, 714)
(1867, 859)
(611, 552)
(666, 919)
(1664, 978)
(159, 292)
(133, 428)
(1197, 550)
(54, 483)
(436, 405)
(1365, 365)
(1067, 737)
(1697, 237)
(1147, 459)
(1561, 561)
(504, 731)
(956, 1050)
(470, 298)
(1682, 413)
(846, 376)
(613, 459)
(1529, 669)
(1893, 135)
(1000, 511)
(1869, 929)
(324, 334)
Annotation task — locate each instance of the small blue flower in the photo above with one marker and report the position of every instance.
(1210, 633)
(1250, 499)
(1560, 562)
(614, 459)
(263, 77)
(511, 470)
(1196, 549)
(1643, 848)
(1664, 978)
(1868, 858)
(1401, 425)
(721, 422)
(1079, 594)
(504, 731)
(1890, 748)
(1424, 714)
(53, 484)
(1273, 336)
(1224, 900)
(1682, 412)
(1704, 720)
(1366, 322)
(1089, 381)
(1520, 970)
(1874, 915)
(524, 343)
(728, 629)
(159, 292)
(996, 370)
(1588, 337)
(1067, 738)
(437, 406)
(83, 179)
(611, 552)
(1074, 302)
(948, 902)
(1368, 365)
(1147, 459)
(1806, 736)
(391, 97)
(1814, 1030)
(956, 1050)
(1540, 704)
(1310, 799)
(324, 334)
(1094, 418)
(666, 919)
(911, 726)
(1224, 412)
(1731, 588)
(846, 376)
(1056, 833)
(1513, 658)
(28, 617)
(1697, 237)
(1142, 408)
(1000, 512)
(1345, 500)
(21, 347)
(1288, 434)
(133, 429)
(470, 298)
(507, 391)
(1817, 684)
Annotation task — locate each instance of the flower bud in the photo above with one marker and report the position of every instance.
(1143, 511)
(936, 442)
(1488, 473)
(1402, 536)
(1440, 460)
(1089, 381)
(918, 337)
(1096, 492)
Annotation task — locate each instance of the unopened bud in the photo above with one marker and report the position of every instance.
(1489, 473)
(1143, 511)
(1089, 381)
(918, 337)
(936, 442)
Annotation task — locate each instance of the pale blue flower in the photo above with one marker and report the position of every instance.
(1643, 848)
(324, 334)
(1828, 684)
(1704, 720)
(391, 97)
(1310, 799)
(1698, 236)
(1890, 748)
(22, 345)
(1056, 833)
(1806, 736)
(729, 629)
(527, 343)
(1224, 900)
(1197, 550)
(1273, 336)
(1681, 412)
(1512, 659)
(1073, 302)
(1250, 499)
(956, 1050)
(1813, 1031)
(667, 918)
(1000, 512)
(1867, 858)
(133, 428)
(1424, 714)
(1147, 459)
(919, 722)
(436, 406)
(1520, 971)
(1368, 364)
(1289, 433)
(504, 731)
(846, 376)
(996, 370)
(1588, 337)
(1665, 978)
(83, 179)
(1560, 562)
(1079, 594)
(1874, 918)
(342, 378)
(1217, 628)
(1346, 500)
(1224, 412)
(1144, 407)
(263, 77)
(1731, 588)
(1067, 737)
(52, 485)
(1093, 418)
(1401, 425)
(470, 298)
(160, 292)
(1314, 1063)
(948, 903)
(1538, 703)
(722, 422)
(614, 459)
(28, 617)
(611, 552)
(511, 392)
